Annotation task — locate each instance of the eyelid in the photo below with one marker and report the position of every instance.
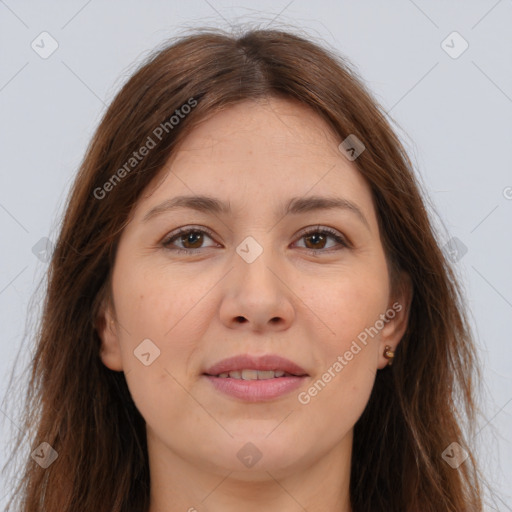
(333, 232)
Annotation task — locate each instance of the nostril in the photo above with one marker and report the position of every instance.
(240, 319)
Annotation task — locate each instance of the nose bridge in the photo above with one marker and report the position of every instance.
(255, 259)
(254, 291)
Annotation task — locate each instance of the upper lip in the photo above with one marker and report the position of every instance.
(248, 362)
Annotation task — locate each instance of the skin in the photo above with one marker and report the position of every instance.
(305, 307)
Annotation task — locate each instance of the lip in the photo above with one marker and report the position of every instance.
(248, 362)
(256, 390)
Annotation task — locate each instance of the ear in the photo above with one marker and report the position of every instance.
(108, 331)
(397, 318)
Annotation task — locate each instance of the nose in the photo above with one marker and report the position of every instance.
(257, 297)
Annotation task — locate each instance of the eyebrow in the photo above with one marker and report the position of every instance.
(295, 206)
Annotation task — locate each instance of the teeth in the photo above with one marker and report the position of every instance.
(264, 375)
(253, 374)
(249, 374)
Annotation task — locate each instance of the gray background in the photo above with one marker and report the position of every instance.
(453, 114)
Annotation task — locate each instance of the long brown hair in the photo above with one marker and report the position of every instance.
(84, 411)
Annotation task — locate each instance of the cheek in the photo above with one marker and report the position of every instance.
(351, 305)
(156, 345)
(160, 327)
(349, 357)
(335, 399)
(158, 302)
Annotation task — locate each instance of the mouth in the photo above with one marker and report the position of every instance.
(254, 374)
(256, 379)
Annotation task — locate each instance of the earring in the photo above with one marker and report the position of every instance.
(389, 354)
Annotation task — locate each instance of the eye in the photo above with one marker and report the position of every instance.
(193, 239)
(188, 236)
(318, 235)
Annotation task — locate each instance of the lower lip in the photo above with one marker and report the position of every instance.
(256, 390)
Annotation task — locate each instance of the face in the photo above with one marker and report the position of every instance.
(309, 285)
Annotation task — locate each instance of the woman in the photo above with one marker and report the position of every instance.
(247, 306)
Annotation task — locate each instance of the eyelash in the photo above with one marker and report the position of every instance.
(318, 229)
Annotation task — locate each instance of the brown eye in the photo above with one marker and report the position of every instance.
(194, 238)
(191, 240)
(316, 239)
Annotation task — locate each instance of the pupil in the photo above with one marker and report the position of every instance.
(190, 237)
(316, 237)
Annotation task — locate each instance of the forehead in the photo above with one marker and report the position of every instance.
(271, 127)
(261, 152)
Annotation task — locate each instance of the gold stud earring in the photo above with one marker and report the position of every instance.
(389, 354)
